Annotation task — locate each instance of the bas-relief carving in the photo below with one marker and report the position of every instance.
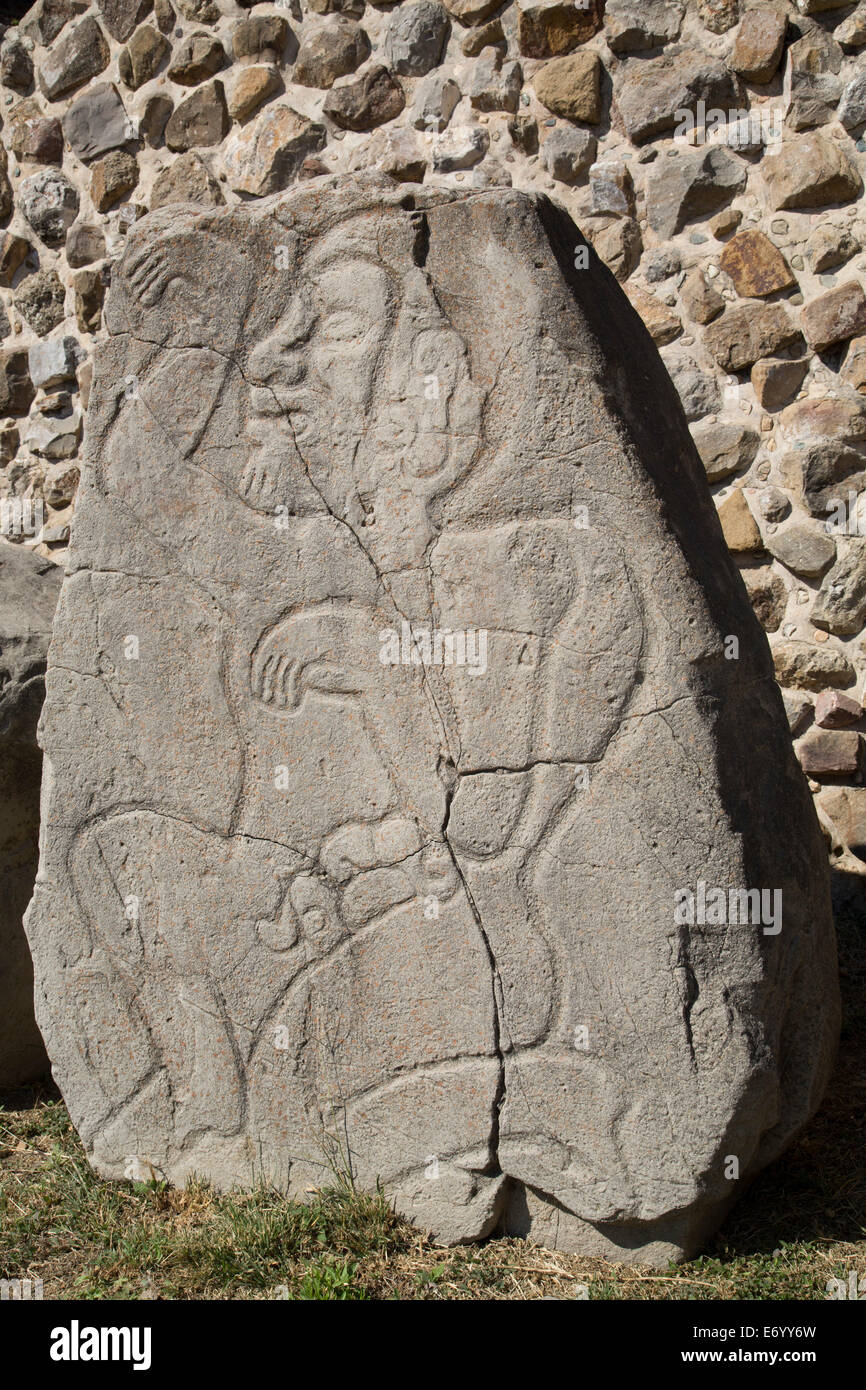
(382, 939)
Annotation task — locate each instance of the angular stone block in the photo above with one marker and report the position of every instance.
(401, 801)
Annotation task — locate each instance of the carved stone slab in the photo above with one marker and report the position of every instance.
(403, 696)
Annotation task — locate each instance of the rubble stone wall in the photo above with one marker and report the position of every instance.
(712, 151)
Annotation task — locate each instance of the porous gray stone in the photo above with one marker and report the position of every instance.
(568, 152)
(50, 204)
(306, 884)
(40, 299)
(29, 587)
(416, 37)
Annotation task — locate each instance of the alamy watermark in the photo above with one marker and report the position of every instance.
(433, 646)
(21, 516)
(719, 907)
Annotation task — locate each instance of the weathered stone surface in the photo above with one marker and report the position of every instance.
(631, 26)
(617, 240)
(812, 83)
(758, 44)
(88, 293)
(187, 180)
(80, 55)
(252, 87)
(267, 156)
(830, 753)
(260, 38)
(852, 31)
(653, 94)
(13, 253)
(355, 8)
(29, 587)
(5, 186)
(777, 380)
(739, 527)
(852, 106)
(662, 324)
(201, 11)
(767, 595)
(285, 893)
(16, 388)
(397, 153)
(84, 244)
(97, 122)
(16, 65)
(523, 130)
(477, 39)
(459, 147)
(121, 16)
(549, 28)
(50, 204)
(33, 135)
(718, 15)
(853, 369)
(201, 120)
(724, 448)
(612, 189)
(840, 604)
(698, 391)
(756, 267)
(53, 362)
(803, 549)
(154, 118)
(112, 178)
(811, 668)
(829, 246)
(701, 300)
(839, 418)
(10, 439)
(692, 185)
(434, 102)
(39, 299)
(799, 709)
(494, 85)
(330, 51)
(836, 711)
(811, 171)
(774, 503)
(846, 808)
(749, 331)
(196, 59)
(143, 57)
(372, 100)
(567, 153)
(571, 86)
(835, 316)
(471, 11)
(822, 474)
(416, 38)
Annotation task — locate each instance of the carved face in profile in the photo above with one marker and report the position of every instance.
(363, 382)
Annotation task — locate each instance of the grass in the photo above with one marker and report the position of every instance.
(801, 1223)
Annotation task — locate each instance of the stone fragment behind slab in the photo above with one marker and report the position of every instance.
(29, 587)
